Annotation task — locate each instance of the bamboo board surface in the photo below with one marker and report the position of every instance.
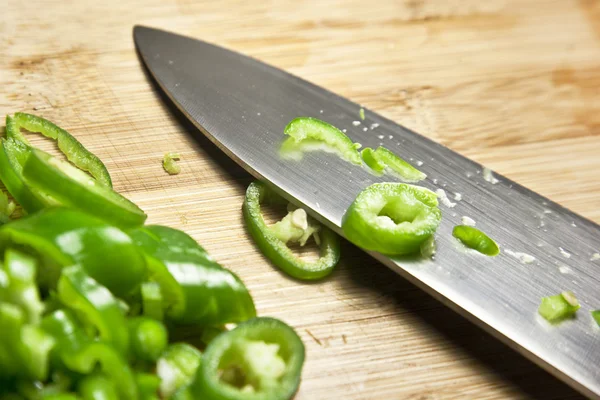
(513, 84)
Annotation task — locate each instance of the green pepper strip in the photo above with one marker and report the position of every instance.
(381, 158)
(177, 368)
(149, 338)
(13, 155)
(18, 285)
(276, 249)
(307, 132)
(148, 385)
(24, 348)
(74, 188)
(212, 295)
(95, 305)
(152, 300)
(392, 218)
(79, 353)
(260, 359)
(62, 237)
(559, 307)
(6, 208)
(596, 316)
(70, 147)
(474, 239)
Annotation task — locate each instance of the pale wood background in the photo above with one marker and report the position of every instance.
(513, 84)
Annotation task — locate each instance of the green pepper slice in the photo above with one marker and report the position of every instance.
(62, 237)
(13, 155)
(560, 307)
(194, 287)
(68, 145)
(97, 386)
(273, 243)
(596, 316)
(74, 188)
(148, 385)
(303, 130)
(382, 158)
(18, 285)
(392, 218)
(95, 305)
(260, 359)
(148, 338)
(474, 239)
(177, 367)
(77, 352)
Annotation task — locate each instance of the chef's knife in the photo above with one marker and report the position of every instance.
(243, 105)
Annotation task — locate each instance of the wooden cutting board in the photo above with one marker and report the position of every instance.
(513, 84)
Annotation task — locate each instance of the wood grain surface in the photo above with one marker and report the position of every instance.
(513, 84)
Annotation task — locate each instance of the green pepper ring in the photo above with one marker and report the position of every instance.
(415, 207)
(276, 250)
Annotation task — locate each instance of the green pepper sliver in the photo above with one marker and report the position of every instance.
(68, 145)
(18, 285)
(260, 359)
(148, 338)
(560, 307)
(13, 155)
(474, 239)
(392, 218)
(276, 249)
(194, 287)
(74, 188)
(177, 368)
(303, 129)
(382, 158)
(77, 352)
(62, 237)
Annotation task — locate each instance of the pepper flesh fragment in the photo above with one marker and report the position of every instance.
(170, 165)
(560, 307)
(272, 240)
(392, 218)
(383, 159)
(474, 239)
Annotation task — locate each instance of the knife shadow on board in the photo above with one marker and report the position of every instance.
(357, 269)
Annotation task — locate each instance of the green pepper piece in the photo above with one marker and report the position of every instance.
(6, 208)
(13, 155)
(392, 218)
(77, 352)
(396, 165)
(152, 300)
(170, 165)
(312, 130)
(596, 316)
(149, 338)
(177, 368)
(211, 295)
(270, 243)
(259, 359)
(24, 349)
(68, 145)
(95, 305)
(74, 188)
(62, 237)
(97, 387)
(20, 287)
(474, 239)
(370, 158)
(559, 307)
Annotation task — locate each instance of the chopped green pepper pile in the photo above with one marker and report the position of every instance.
(89, 296)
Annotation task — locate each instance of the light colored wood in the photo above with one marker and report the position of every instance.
(514, 84)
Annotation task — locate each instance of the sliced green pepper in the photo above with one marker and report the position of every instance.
(392, 218)
(148, 385)
(596, 316)
(7, 207)
(95, 305)
(170, 165)
(74, 188)
(314, 131)
(260, 359)
(70, 147)
(152, 300)
(62, 237)
(98, 387)
(474, 239)
(76, 351)
(149, 338)
(272, 242)
(24, 348)
(559, 307)
(177, 367)
(196, 288)
(13, 155)
(18, 285)
(381, 158)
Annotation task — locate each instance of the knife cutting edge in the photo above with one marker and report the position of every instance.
(243, 105)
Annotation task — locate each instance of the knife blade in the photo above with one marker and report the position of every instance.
(242, 105)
